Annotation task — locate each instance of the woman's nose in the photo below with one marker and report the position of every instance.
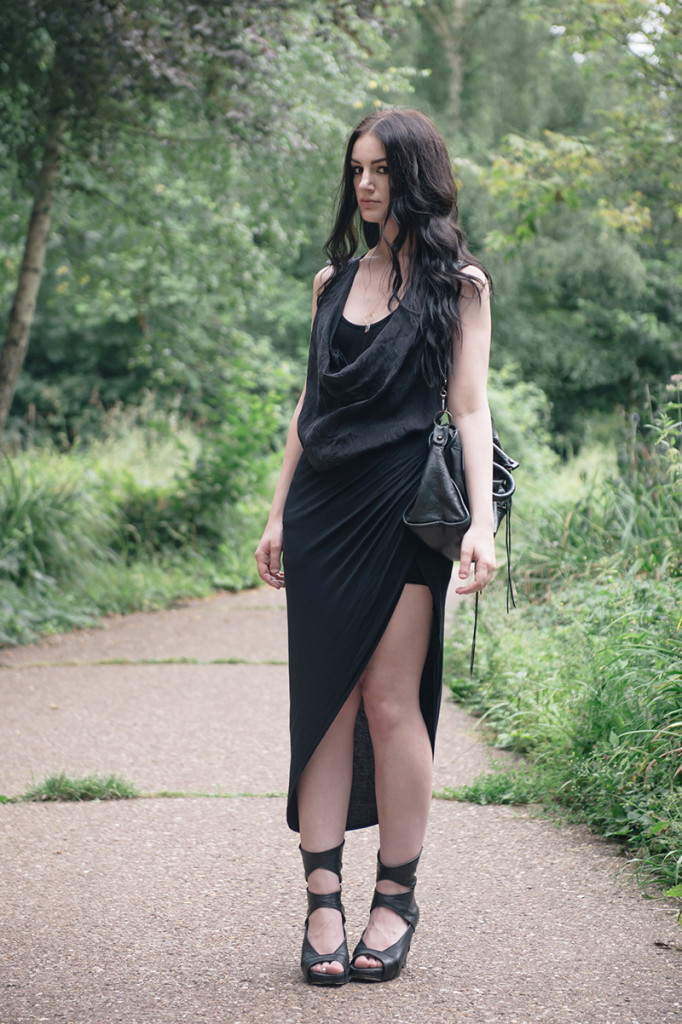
(365, 179)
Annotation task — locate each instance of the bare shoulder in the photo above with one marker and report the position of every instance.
(475, 274)
(322, 276)
(478, 286)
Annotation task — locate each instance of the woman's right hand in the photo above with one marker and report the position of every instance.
(269, 556)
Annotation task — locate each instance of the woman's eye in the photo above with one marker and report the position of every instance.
(357, 171)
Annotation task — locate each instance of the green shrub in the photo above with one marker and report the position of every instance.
(151, 513)
(51, 523)
(588, 685)
(585, 678)
(629, 521)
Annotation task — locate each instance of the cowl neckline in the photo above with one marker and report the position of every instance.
(377, 399)
(364, 375)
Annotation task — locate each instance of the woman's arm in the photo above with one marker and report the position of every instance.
(269, 550)
(468, 403)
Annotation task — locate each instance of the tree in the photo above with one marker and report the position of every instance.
(77, 77)
(568, 146)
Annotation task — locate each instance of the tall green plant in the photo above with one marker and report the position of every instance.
(50, 525)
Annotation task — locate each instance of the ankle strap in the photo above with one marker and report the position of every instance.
(402, 874)
(326, 899)
(330, 860)
(402, 903)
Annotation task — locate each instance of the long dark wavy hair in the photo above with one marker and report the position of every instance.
(423, 203)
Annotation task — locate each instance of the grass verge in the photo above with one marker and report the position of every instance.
(116, 527)
(60, 788)
(587, 685)
(585, 678)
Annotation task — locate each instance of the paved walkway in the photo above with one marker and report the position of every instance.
(190, 908)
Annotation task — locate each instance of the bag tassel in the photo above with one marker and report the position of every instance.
(511, 600)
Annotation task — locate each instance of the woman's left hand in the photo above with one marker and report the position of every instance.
(478, 548)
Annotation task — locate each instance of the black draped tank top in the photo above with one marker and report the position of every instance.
(378, 398)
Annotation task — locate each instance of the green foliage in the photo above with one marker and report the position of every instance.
(91, 787)
(133, 521)
(631, 520)
(183, 209)
(588, 686)
(566, 137)
(585, 677)
(500, 786)
(49, 525)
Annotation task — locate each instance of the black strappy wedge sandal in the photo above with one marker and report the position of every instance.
(330, 860)
(394, 958)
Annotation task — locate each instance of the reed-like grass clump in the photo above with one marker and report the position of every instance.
(147, 514)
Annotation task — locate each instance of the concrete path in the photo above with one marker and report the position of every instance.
(190, 908)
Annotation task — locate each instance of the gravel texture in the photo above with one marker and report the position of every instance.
(160, 911)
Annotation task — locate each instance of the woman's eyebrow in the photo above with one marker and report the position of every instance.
(381, 160)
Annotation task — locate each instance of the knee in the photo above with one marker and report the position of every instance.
(385, 713)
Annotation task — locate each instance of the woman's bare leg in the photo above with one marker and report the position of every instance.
(402, 750)
(323, 794)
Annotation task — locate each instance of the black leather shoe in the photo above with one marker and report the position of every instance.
(330, 860)
(394, 958)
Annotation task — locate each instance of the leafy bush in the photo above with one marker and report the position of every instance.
(50, 524)
(585, 678)
(631, 520)
(588, 685)
(152, 512)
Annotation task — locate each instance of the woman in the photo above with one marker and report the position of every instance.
(365, 598)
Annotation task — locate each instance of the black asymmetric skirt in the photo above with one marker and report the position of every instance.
(347, 555)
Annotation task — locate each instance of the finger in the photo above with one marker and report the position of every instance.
(275, 561)
(464, 563)
(263, 567)
(484, 572)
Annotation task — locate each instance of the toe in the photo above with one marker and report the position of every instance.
(364, 963)
(328, 967)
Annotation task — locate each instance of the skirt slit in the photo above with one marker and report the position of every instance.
(347, 557)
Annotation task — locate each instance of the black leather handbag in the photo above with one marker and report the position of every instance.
(439, 513)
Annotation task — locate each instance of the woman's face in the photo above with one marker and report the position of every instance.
(370, 178)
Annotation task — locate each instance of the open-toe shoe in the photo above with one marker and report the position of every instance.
(330, 860)
(393, 959)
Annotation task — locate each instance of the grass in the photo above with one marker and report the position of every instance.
(513, 786)
(61, 788)
(585, 678)
(113, 528)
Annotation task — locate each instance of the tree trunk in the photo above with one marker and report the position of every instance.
(455, 49)
(23, 308)
(448, 22)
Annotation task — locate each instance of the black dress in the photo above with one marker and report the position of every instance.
(347, 554)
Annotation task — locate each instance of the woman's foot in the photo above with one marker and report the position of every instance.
(325, 934)
(381, 953)
(385, 927)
